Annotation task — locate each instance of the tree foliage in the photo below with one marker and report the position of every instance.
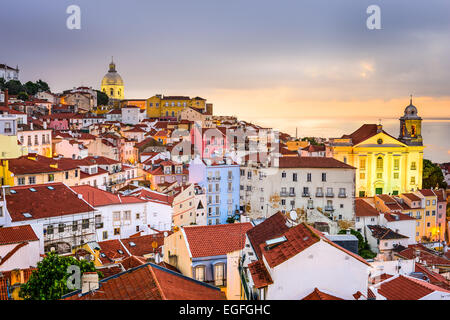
(363, 246)
(102, 98)
(15, 87)
(23, 96)
(49, 281)
(432, 176)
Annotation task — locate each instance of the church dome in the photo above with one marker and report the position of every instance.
(411, 111)
(112, 78)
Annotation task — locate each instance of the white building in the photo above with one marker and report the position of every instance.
(313, 186)
(59, 218)
(119, 217)
(189, 206)
(131, 114)
(286, 262)
(9, 73)
(19, 248)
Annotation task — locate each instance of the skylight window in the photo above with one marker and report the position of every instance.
(132, 244)
(102, 255)
(27, 215)
(120, 251)
(50, 188)
(32, 189)
(276, 241)
(13, 191)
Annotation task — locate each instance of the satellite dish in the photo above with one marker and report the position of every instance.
(293, 215)
(165, 234)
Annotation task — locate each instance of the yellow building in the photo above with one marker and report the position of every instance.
(112, 84)
(384, 164)
(171, 106)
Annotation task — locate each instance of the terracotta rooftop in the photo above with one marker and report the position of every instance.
(97, 197)
(311, 162)
(150, 282)
(316, 294)
(216, 240)
(298, 238)
(363, 133)
(383, 233)
(364, 209)
(427, 192)
(406, 288)
(9, 235)
(270, 228)
(47, 200)
(260, 275)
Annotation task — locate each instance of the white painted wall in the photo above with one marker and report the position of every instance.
(319, 266)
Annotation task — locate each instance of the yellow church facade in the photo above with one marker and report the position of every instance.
(171, 106)
(384, 164)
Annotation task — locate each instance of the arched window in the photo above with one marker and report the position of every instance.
(173, 114)
(111, 91)
(219, 274)
(200, 273)
(118, 92)
(379, 163)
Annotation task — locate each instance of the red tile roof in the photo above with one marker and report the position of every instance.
(44, 203)
(153, 196)
(216, 240)
(406, 288)
(424, 254)
(411, 196)
(110, 248)
(298, 238)
(364, 209)
(435, 278)
(151, 282)
(24, 165)
(427, 192)
(363, 133)
(311, 162)
(316, 294)
(97, 197)
(270, 228)
(260, 275)
(143, 244)
(397, 217)
(17, 234)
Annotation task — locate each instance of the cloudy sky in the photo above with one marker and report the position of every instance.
(309, 64)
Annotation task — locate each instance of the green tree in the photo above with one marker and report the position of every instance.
(432, 176)
(363, 246)
(2, 84)
(23, 96)
(14, 87)
(49, 281)
(42, 86)
(31, 88)
(102, 98)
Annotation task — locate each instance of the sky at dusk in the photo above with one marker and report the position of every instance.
(311, 65)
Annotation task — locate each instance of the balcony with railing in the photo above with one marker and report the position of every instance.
(319, 194)
(342, 195)
(305, 194)
(329, 208)
(283, 194)
(329, 195)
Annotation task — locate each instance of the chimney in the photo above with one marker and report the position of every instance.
(89, 282)
(348, 231)
(45, 125)
(31, 125)
(6, 102)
